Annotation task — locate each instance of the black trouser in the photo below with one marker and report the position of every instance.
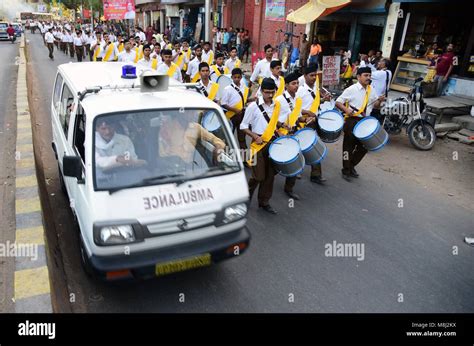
(79, 53)
(71, 49)
(263, 175)
(88, 52)
(236, 120)
(51, 50)
(353, 151)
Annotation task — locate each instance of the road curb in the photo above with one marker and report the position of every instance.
(32, 292)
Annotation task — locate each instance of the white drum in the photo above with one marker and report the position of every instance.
(312, 147)
(370, 133)
(330, 124)
(223, 82)
(286, 155)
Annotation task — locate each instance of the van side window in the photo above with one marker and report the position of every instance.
(57, 91)
(67, 105)
(80, 132)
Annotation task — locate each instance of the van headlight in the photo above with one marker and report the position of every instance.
(235, 212)
(112, 235)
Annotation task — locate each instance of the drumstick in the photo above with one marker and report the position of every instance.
(327, 119)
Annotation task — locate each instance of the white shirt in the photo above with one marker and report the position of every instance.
(277, 83)
(285, 109)
(67, 27)
(304, 91)
(101, 44)
(262, 69)
(163, 69)
(205, 56)
(127, 56)
(355, 95)
(193, 67)
(230, 63)
(49, 38)
(254, 117)
(142, 35)
(185, 59)
(208, 88)
(145, 64)
(231, 97)
(113, 54)
(379, 81)
(78, 41)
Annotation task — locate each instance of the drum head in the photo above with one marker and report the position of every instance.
(366, 127)
(333, 121)
(223, 82)
(211, 122)
(306, 137)
(284, 149)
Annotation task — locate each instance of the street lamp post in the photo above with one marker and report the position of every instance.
(207, 19)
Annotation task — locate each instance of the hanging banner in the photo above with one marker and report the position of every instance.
(119, 9)
(275, 10)
(331, 68)
(86, 14)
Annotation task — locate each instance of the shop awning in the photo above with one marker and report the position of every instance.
(315, 9)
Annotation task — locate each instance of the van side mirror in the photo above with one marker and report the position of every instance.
(72, 167)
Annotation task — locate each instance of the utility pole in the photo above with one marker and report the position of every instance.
(207, 19)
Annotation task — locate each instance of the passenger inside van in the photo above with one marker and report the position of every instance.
(113, 149)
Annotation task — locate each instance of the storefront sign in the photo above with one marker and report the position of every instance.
(119, 9)
(275, 10)
(331, 69)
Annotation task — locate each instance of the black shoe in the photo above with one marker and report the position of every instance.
(346, 176)
(354, 173)
(268, 208)
(318, 180)
(293, 195)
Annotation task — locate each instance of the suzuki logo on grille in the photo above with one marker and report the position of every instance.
(183, 225)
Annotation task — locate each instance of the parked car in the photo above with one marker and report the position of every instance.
(3, 31)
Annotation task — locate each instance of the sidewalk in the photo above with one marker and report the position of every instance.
(31, 283)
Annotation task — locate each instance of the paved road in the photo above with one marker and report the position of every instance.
(8, 77)
(408, 265)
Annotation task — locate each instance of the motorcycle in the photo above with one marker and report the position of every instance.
(410, 112)
(12, 38)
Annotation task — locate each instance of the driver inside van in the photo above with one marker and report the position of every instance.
(113, 149)
(181, 136)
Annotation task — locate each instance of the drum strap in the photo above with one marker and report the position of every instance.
(295, 112)
(364, 103)
(203, 90)
(269, 131)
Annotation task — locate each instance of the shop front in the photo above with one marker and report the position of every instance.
(424, 23)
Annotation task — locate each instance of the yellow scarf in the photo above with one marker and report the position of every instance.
(239, 104)
(267, 134)
(237, 63)
(196, 77)
(216, 70)
(294, 115)
(120, 47)
(213, 92)
(172, 70)
(154, 63)
(108, 52)
(138, 53)
(180, 60)
(210, 60)
(96, 52)
(281, 87)
(364, 104)
(317, 100)
(188, 57)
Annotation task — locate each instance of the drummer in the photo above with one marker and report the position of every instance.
(233, 61)
(261, 116)
(290, 115)
(207, 87)
(357, 101)
(311, 95)
(218, 69)
(234, 100)
(192, 73)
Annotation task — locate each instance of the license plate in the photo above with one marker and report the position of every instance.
(183, 264)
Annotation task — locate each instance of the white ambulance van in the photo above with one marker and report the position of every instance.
(152, 172)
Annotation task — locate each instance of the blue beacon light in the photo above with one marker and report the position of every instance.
(129, 72)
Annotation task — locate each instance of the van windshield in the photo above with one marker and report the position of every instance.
(142, 148)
